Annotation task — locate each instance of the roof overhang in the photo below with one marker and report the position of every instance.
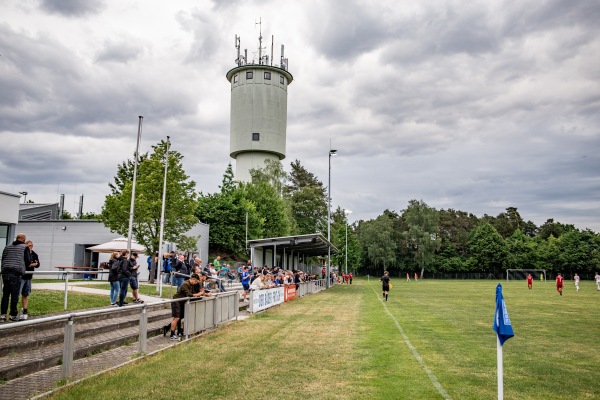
(314, 244)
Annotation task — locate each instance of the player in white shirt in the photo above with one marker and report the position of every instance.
(597, 277)
(576, 279)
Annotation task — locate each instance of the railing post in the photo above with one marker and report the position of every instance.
(66, 288)
(143, 329)
(69, 347)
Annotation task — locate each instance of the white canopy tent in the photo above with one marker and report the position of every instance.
(117, 245)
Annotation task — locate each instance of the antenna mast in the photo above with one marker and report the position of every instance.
(259, 23)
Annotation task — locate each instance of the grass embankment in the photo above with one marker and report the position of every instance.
(43, 302)
(345, 343)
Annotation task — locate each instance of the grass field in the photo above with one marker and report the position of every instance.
(44, 302)
(431, 340)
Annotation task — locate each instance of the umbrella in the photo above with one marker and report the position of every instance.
(117, 245)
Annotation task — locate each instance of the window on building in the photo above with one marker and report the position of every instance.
(249, 74)
(268, 76)
(281, 79)
(235, 78)
(255, 136)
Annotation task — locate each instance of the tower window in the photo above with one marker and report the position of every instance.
(249, 74)
(268, 76)
(255, 136)
(235, 78)
(281, 79)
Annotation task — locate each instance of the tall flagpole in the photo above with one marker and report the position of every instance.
(162, 223)
(132, 207)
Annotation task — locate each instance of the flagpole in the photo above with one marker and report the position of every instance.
(500, 369)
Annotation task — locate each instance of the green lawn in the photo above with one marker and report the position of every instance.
(145, 289)
(431, 338)
(43, 302)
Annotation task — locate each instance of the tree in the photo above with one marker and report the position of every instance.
(377, 244)
(271, 208)
(488, 249)
(521, 251)
(180, 200)
(308, 200)
(225, 212)
(422, 234)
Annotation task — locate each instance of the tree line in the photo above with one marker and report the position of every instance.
(277, 203)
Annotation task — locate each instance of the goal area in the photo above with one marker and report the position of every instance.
(521, 274)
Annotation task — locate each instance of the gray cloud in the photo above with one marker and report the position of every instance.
(72, 8)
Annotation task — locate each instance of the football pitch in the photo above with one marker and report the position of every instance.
(433, 339)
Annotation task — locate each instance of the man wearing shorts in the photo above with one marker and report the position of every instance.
(26, 280)
(193, 287)
(559, 283)
(385, 284)
(133, 279)
(245, 282)
(529, 281)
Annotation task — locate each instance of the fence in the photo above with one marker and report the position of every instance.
(203, 314)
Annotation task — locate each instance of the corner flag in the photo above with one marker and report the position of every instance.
(502, 324)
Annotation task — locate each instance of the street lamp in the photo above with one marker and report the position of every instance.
(24, 198)
(331, 153)
(346, 212)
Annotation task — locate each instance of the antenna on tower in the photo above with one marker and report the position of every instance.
(237, 46)
(262, 60)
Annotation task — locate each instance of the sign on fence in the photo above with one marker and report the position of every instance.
(265, 298)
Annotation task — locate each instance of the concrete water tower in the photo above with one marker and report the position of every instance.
(258, 110)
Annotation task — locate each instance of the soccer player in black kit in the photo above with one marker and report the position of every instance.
(385, 283)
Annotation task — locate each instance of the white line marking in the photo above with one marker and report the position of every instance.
(414, 351)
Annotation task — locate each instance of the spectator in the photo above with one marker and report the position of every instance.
(190, 288)
(259, 283)
(166, 269)
(178, 266)
(26, 281)
(133, 279)
(217, 263)
(124, 274)
(113, 277)
(245, 282)
(15, 260)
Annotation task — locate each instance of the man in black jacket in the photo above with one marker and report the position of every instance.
(15, 260)
(26, 280)
(124, 272)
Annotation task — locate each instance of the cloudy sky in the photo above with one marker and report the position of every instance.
(471, 105)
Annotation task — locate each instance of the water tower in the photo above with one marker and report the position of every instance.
(258, 109)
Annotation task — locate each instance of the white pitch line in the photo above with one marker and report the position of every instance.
(415, 353)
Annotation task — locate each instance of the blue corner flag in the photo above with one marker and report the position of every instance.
(502, 324)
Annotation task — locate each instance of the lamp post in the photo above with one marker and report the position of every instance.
(135, 168)
(331, 153)
(24, 198)
(162, 224)
(346, 212)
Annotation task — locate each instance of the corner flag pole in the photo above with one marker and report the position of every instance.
(500, 369)
(504, 331)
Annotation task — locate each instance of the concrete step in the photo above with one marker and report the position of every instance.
(45, 350)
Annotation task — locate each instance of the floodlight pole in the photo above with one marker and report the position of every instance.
(162, 224)
(135, 167)
(328, 283)
(346, 212)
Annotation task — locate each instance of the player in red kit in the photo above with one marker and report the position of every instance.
(559, 283)
(529, 281)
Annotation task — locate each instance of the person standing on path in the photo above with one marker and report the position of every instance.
(133, 279)
(385, 284)
(113, 277)
(124, 275)
(15, 260)
(26, 281)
